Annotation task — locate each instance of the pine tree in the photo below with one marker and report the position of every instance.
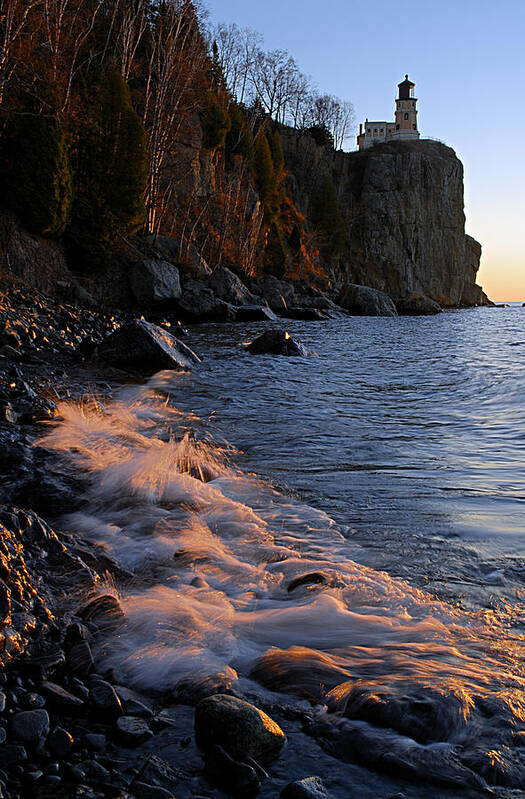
(36, 169)
(112, 173)
(275, 253)
(215, 122)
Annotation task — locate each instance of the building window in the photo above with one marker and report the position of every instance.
(375, 130)
(406, 116)
(368, 130)
(397, 127)
(381, 131)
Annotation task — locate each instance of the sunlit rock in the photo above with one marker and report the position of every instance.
(144, 347)
(240, 728)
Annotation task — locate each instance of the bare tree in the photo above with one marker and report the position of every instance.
(132, 25)
(14, 16)
(335, 115)
(238, 50)
(67, 26)
(176, 55)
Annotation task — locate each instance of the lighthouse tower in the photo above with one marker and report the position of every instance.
(405, 126)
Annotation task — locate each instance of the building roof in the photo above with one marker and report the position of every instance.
(406, 82)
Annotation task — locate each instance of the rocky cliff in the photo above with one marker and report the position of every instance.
(403, 208)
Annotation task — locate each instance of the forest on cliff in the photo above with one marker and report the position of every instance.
(130, 117)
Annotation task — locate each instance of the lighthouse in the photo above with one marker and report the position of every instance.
(404, 126)
(406, 112)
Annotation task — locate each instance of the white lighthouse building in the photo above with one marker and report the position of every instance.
(404, 126)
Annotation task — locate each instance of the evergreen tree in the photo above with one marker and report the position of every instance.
(112, 173)
(36, 169)
(215, 122)
(275, 253)
(325, 214)
(239, 140)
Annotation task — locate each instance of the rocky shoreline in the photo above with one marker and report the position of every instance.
(67, 729)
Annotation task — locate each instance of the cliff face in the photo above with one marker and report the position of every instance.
(403, 208)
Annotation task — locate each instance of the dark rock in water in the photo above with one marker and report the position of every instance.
(275, 342)
(80, 659)
(308, 788)
(279, 294)
(308, 314)
(75, 632)
(237, 779)
(144, 347)
(60, 742)
(153, 281)
(312, 578)
(199, 304)
(240, 728)
(30, 726)
(59, 697)
(255, 313)
(135, 704)
(133, 730)
(95, 771)
(104, 611)
(417, 306)
(191, 690)
(144, 791)
(365, 301)
(105, 699)
(158, 773)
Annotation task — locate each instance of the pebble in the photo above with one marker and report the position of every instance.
(307, 788)
(95, 741)
(133, 730)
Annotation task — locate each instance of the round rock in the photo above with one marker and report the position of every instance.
(133, 730)
(243, 730)
(30, 725)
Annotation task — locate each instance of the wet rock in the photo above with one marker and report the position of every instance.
(307, 788)
(153, 280)
(30, 726)
(240, 728)
(312, 578)
(2, 701)
(80, 659)
(275, 342)
(279, 294)
(144, 791)
(133, 730)
(134, 703)
(365, 301)
(144, 347)
(307, 314)
(237, 779)
(105, 699)
(104, 611)
(94, 771)
(75, 632)
(417, 305)
(158, 773)
(255, 313)
(191, 690)
(59, 697)
(60, 742)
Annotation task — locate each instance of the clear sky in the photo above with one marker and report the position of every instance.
(467, 58)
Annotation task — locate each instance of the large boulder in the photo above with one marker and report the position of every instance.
(275, 342)
(279, 294)
(185, 256)
(154, 281)
(417, 305)
(365, 301)
(143, 347)
(200, 304)
(241, 729)
(230, 288)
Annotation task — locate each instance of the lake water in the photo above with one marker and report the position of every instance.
(389, 465)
